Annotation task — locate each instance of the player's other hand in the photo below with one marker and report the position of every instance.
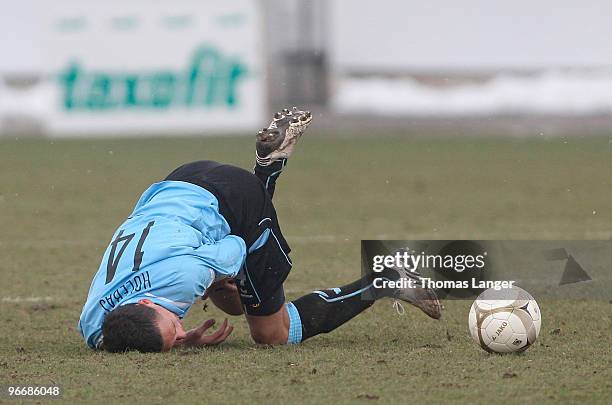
(197, 337)
(224, 294)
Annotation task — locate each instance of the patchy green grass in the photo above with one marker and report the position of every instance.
(60, 202)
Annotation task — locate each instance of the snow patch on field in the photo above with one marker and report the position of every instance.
(20, 300)
(549, 92)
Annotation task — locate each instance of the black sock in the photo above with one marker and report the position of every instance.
(269, 174)
(324, 310)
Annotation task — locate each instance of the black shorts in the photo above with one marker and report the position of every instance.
(246, 205)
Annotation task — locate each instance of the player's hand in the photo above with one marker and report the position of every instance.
(226, 283)
(224, 294)
(230, 285)
(197, 337)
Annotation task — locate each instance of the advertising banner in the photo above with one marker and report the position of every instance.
(138, 68)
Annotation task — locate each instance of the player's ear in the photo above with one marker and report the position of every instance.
(146, 302)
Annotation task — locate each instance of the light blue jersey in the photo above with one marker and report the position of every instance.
(172, 247)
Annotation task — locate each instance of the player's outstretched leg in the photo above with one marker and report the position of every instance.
(275, 144)
(324, 310)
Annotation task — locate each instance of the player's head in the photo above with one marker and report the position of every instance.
(145, 326)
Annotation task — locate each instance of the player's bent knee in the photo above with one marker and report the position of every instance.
(270, 329)
(276, 336)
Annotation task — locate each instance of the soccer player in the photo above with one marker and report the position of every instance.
(209, 224)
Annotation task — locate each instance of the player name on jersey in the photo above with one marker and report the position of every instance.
(135, 284)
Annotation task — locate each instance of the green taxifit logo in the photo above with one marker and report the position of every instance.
(210, 80)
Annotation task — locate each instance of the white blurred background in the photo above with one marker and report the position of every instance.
(81, 68)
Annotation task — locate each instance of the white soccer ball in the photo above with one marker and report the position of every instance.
(504, 320)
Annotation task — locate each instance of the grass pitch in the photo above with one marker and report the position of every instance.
(60, 202)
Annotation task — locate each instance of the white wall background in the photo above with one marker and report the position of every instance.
(482, 35)
(485, 57)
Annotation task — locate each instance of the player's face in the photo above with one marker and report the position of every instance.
(170, 325)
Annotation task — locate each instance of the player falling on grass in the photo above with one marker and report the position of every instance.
(209, 227)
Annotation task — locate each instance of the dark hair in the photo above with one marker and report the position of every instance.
(131, 327)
